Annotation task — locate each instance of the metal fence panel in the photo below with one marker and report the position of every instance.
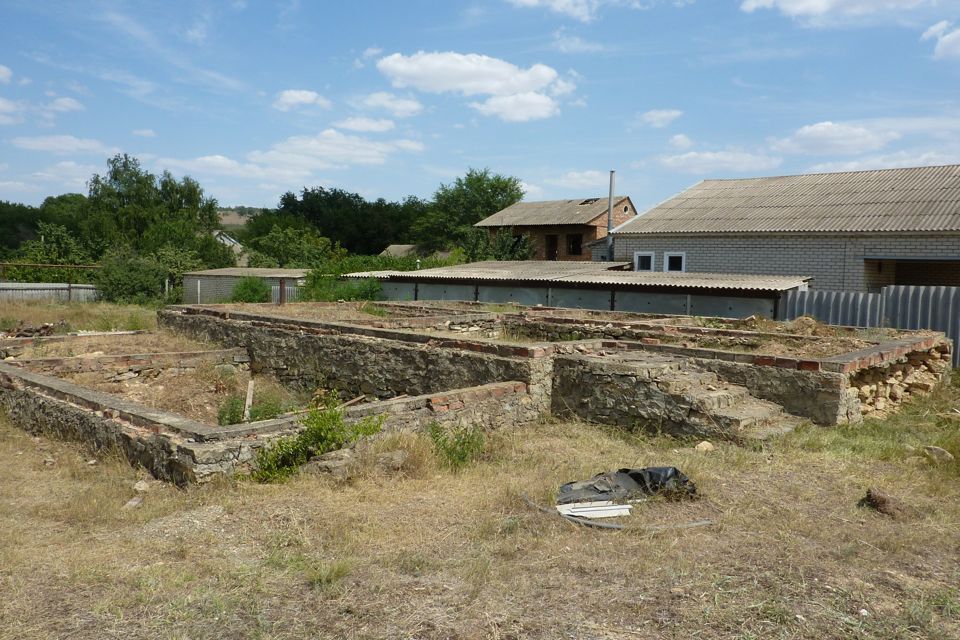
(47, 291)
(580, 299)
(849, 308)
(898, 307)
(292, 293)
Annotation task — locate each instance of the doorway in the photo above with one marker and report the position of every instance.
(552, 243)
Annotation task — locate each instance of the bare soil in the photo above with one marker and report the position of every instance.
(426, 553)
(196, 394)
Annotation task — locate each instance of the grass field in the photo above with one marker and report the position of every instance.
(429, 553)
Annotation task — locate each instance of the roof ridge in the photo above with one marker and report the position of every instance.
(833, 173)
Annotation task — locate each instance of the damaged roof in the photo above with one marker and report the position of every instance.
(551, 212)
(889, 200)
(586, 273)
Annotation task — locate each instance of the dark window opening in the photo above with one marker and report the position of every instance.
(574, 244)
(644, 263)
(674, 262)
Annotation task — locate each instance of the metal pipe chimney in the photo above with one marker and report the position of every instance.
(613, 182)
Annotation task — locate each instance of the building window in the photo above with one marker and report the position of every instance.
(674, 262)
(574, 244)
(643, 261)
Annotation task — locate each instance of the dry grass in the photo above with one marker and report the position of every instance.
(87, 316)
(429, 554)
(159, 341)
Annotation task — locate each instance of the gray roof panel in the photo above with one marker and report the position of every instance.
(586, 273)
(550, 212)
(919, 199)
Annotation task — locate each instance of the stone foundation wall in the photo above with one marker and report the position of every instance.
(145, 364)
(820, 396)
(621, 394)
(883, 387)
(362, 364)
(183, 451)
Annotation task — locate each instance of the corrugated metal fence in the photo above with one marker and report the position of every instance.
(899, 307)
(292, 292)
(51, 291)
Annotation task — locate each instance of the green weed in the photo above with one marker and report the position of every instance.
(457, 446)
(325, 431)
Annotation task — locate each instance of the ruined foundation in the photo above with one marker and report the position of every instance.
(463, 364)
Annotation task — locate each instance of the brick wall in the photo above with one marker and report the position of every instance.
(596, 229)
(835, 262)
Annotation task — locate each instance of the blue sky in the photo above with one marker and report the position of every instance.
(392, 98)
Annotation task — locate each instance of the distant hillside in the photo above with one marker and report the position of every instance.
(236, 216)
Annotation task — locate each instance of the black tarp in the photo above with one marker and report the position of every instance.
(624, 484)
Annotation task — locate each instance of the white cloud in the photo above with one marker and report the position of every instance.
(62, 105)
(67, 174)
(590, 179)
(703, 162)
(468, 74)
(815, 8)
(369, 52)
(5, 74)
(360, 123)
(220, 165)
(63, 144)
(18, 185)
(948, 42)
(582, 10)
(516, 94)
(659, 118)
(681, 142)
(520, 107)
(398, 106)
(297, 98)
(530, 190)
(330, 149)
(566, 43)
(831, 138)
(10, 111)
(914, 158)
(144, 133)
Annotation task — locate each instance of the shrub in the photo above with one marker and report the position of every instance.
(326, 288)
(325, 431)
(126, 277)
(231, 410)
(251, 289)
(456, 446)
(266, 409)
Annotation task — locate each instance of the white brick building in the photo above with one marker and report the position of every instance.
(855, 231)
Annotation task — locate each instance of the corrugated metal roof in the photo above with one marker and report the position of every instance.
(399, 250)
(251, 271)
(551, 212)
(599, 273)
(887, 200)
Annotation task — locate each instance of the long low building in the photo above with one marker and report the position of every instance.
(592, 285)
(213, 286)
(852, 231)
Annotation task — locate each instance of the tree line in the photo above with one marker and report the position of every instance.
(146, 230)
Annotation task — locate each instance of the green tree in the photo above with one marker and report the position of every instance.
(295, 247)
(458, 206)
(129, 206)
(480, 244)
(54, 244)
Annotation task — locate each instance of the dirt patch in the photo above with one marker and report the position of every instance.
(199, 393)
